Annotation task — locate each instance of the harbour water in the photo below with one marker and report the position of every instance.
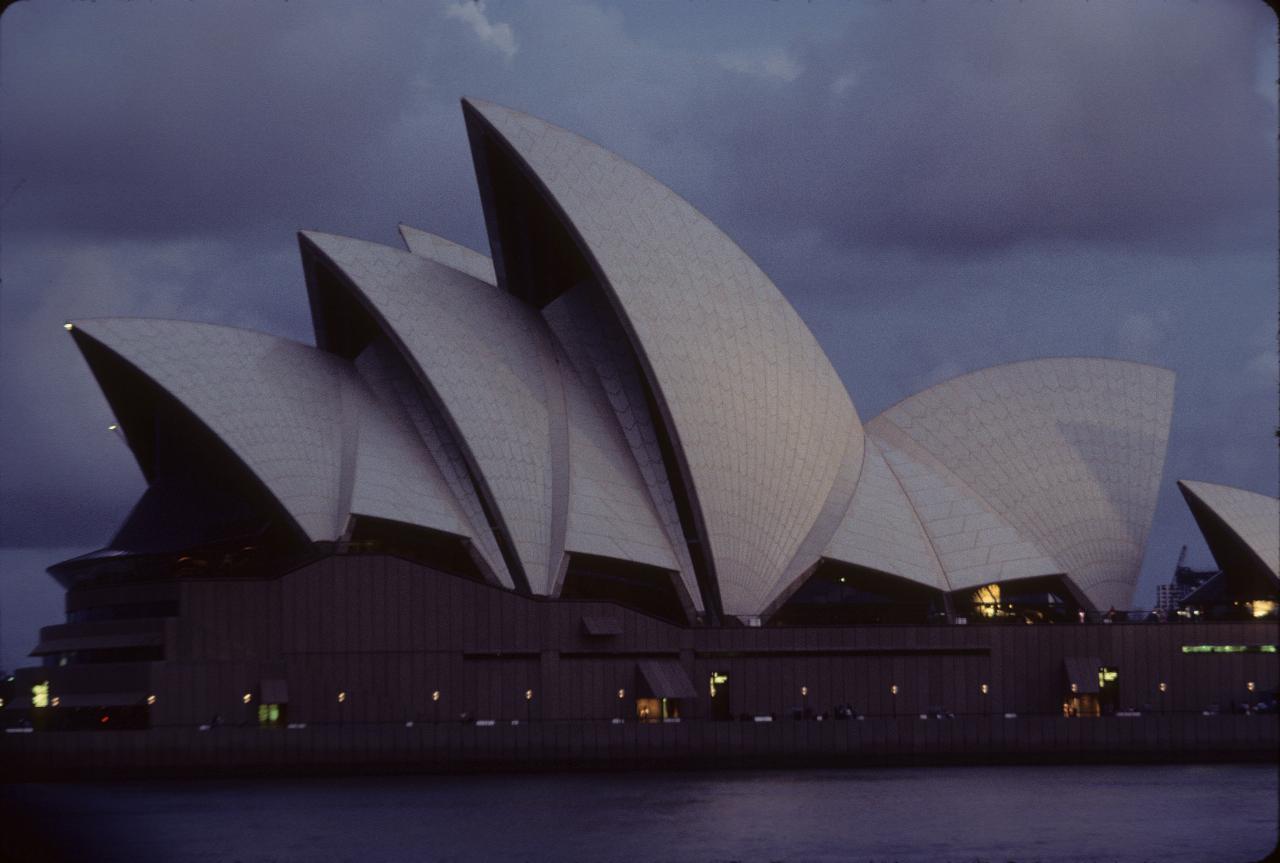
(1176, 814)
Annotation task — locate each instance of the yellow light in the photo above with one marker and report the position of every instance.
(528, 695)
(151, 699)
(1164, 687)
(1075, 688)
(40, 694)
(1262, 607)
(247, 697)
(435, 695)
(1, 703)
(342, 696)
(622, 693)
(1248, 686)
(804, 690)
(55, 701)
(893, 690)
(68, 326)
(983, 688)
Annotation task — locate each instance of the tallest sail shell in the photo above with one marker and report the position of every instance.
(758, 419)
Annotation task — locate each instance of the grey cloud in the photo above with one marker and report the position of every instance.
(981, 126)
(936, 187)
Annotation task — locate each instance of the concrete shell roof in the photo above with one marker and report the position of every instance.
(1068, 452)
(1254, 518)
(300, 419)
(609, 513)
(759, 418)
(489, 362)
(556, 466)
(882, 530)
(449, 253)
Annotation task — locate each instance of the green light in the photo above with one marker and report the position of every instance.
(1228, 648)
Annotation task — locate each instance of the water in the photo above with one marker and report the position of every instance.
(1179, 814)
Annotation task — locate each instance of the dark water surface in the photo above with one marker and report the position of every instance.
(1192, 814)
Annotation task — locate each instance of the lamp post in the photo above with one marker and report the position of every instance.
(804, 702)
(622, 693)
(1164, 687)
(435, 705)
(528, 705)
(893, 699)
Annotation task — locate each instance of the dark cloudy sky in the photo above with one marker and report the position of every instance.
(937, 187)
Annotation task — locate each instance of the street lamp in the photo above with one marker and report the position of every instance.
(528, 704)
(804, 702)
(435, 705)
(1164, 687)
(893, 692)
(622, 693)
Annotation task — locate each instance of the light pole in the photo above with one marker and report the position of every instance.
(804, 702)
(893, 699)
(622, 693)
(1164, 687)
(435, 705)
(528, 704)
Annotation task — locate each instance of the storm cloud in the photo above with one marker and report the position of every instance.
(936, 187)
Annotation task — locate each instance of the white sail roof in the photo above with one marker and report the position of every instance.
(1253, 518)
(1069, 452)
(759, 419)
(449, 253)
(302, 420)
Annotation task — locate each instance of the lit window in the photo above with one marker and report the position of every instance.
(986, 600)
(40, 694)
(1261, 607)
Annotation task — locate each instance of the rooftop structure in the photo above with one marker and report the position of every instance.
(621, 404)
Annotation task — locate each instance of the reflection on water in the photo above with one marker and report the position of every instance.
(1191, 814)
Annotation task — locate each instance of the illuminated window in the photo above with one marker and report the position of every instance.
(986, 600)
(40, 694)
(717, 679)
(1261, 607)
(268, 714)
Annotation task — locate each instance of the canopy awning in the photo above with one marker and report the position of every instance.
(275, 691)
(666, 678)
(601, 626)
(1082, 673)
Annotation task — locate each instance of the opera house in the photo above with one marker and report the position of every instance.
(609, 474)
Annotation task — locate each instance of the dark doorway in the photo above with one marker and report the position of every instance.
(720, 696)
